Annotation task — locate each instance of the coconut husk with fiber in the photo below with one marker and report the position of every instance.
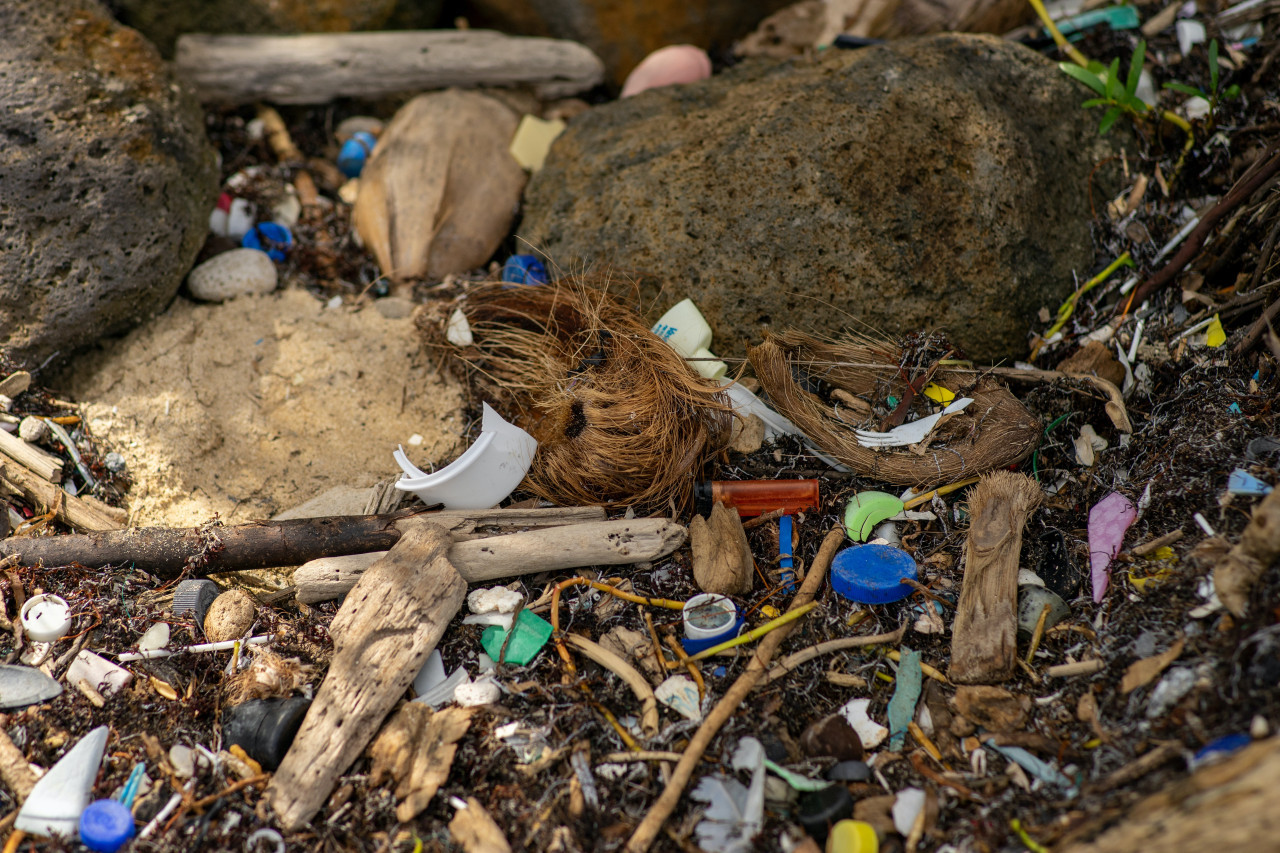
(995, 430)
(619, 417)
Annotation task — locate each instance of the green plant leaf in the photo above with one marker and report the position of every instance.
(1213, 66)
(1134, 104)
(1093, 81)
(1109, 119)
(1095, 102)
(1135, 68)
(1113, 78)
(1232, 92)
(1186, 90)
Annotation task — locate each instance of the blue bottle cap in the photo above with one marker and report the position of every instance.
(355, 153)
(270, 237)
(873, 574)
(524, 269)
(106, 825)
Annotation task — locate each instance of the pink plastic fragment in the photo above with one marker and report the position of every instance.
(676, 63)
(1108, 521)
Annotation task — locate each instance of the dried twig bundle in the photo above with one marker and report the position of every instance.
(993, 432)
(618, 415)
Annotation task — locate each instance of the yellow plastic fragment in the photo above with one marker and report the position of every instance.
(533, 140)
(938, 394)
(770, 612)
(1216, 336)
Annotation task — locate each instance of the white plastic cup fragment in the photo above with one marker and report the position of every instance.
(101, 674)
(708, 615)
(481, 477)
(57, 800)
(46, 618)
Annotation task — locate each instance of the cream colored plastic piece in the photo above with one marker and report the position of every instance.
(686, 330)
(533, 141)
(481, 477)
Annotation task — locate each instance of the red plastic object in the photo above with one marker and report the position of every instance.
(756, 497)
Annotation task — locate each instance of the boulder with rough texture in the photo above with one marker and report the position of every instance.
(939, 182)
(622, 34)
(106, 178)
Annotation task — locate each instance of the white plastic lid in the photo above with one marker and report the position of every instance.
(46, 618)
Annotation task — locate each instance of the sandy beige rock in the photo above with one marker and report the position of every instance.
(230, 616)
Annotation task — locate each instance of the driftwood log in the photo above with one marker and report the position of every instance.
(382, 635)
(167, 552)
(984, 640)
(43, 464)
(81, 514)
(599, 543)
(317, 68)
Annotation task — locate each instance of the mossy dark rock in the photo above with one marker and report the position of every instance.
(106, 178)
(937, 182)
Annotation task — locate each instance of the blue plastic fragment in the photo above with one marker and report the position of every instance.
(524, 269)
(355, 153)
(785, 560)
(130, 789)
(1235, 407)
(1042, 770)
(906, 693)
(1241, 482)
(106, 825)
(270, 237)
(1116, 17)
(873, 574)
(1220, 748)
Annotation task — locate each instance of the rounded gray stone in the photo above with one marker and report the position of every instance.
(231, 274)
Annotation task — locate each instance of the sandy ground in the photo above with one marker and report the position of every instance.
(251, 407)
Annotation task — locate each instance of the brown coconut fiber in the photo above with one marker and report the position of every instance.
(620, 418)
(994, 431)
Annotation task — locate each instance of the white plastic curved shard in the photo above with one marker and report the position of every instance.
(486, 473)
(912, 433)
(56, 801)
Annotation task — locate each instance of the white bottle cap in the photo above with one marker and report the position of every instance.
(46, 618)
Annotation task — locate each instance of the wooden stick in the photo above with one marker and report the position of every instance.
(984, 647)
(647, 832)
(317, 68)
(14, 769)
(382, 635)
(629, 674)
(589, 544)
(1156, 544)
(77, 513)
(1080, 667)
(167, 551)
(791, 662)
(1259, 547)
(40, 462)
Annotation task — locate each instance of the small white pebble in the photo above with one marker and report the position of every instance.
(1259, 727)
(335, 302)
(415, 440)
(33, 429)
(482, 692)
(233, 274)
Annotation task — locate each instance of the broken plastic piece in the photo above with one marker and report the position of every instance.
(57, 800)
(680, 694)
(1031, 602)
(1108, 521)
(355, 153)
(785, 560)
(532, 141)
(853, 836)
(906, 692)
(524, 269)
(481, 477)
(1042, 770)
(46, 618)
(666, 66)
(873, 574)
(871, 733)
(938, 394)
(529, 635)
(431, 684)
(756, 497)
(866, 510)
(194, 596)
(1241, 482)
(485, 691)
(1190, 33)
(458, 331)
(735, 813)
(102, 675)
(906, 808)
(264, 728)
(685, 329)
(912, 433)
(1219, 748)
(155, 637)
(21, 686)
(1215, 335)
(270, 237)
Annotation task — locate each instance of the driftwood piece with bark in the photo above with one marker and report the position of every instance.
(79, 513)
(319, 67)
(45, 465)
(600, 543)
(382, 635)
(984, 640)
(167, 552)
(1258, 548)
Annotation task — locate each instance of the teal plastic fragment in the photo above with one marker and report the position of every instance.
(795, 780)
(1116, 17)
(1042, 770)
(531, 633)
(902, 707)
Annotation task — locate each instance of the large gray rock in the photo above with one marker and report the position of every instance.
(937, 182)
(106, 178)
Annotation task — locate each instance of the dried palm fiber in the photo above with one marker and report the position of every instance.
(620, 418)
(993, 432)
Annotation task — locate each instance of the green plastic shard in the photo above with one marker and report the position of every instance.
(531, 634)
(866, 510)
